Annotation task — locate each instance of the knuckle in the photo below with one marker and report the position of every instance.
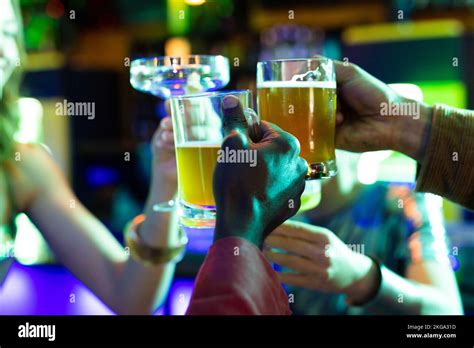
(354, 68)
(289, 143)
(235, 140)
(295, 145)
(324, 232)
(325, 276)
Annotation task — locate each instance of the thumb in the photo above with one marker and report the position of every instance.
(234, 118)
(345, 71)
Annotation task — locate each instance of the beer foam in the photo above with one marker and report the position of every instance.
(296, 84)
(197, 143)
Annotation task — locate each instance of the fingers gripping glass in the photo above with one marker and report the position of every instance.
(198, 123)
(299, 95)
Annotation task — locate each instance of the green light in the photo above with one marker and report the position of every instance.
(30, 246)
(30, 128)
(387, 166)
(452, 93)
(177, 17)
(194, 2)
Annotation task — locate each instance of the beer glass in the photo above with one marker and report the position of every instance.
(198, 133)
(299, 95)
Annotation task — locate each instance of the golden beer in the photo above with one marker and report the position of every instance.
(306, 109)
(196, 163)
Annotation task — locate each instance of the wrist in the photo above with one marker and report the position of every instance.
(164, 178)
(160, 227)
(366, 284)
(161, 190)
(152, 255)
(413, 133)
(247, 228)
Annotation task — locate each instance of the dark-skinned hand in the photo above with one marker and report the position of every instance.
(251, 201)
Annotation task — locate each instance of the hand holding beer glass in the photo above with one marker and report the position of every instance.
(198, 123)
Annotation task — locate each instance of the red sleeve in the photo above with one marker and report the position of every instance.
(236, 279)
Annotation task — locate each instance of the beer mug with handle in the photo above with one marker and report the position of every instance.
(299, 95)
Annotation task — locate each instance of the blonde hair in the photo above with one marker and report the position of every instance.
(9, 113)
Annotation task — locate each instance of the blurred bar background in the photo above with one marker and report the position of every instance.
(80, 50)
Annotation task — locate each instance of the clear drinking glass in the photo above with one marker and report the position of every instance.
(198, 133)
(299, 95)
(168, 76)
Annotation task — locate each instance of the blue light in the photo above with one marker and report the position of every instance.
(101, 176)
(454, 262)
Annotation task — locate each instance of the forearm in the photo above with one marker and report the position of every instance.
(140, 290)
(446, 169)
(413, 133)
(440, 139)
(83, 244)
(399, 295)
(159, 230)
(161, 192)
(89, 250)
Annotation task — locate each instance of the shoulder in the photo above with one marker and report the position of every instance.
(404, 199)
(30, 159)
(420, 211)
(30, 170)
(397, 202)
(414, 220)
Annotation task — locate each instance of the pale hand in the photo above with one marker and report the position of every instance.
(164, 158)
(319, 260)
(361, 127)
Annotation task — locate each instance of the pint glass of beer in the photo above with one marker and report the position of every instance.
(198, 133)
(299, 95)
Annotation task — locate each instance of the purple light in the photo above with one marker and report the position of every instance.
(200, 239)
(180, 295)
(47, 290)
(53, 290)
(83, 302)
(17, 294)
(160, 311)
